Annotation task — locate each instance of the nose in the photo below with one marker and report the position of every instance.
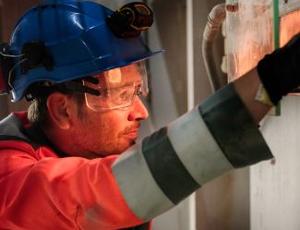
(138, 111)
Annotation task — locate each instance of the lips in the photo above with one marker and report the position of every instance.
(133, 134)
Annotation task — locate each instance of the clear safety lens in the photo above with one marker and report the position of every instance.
(117, 87)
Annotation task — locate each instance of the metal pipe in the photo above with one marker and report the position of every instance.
(212, 28)
(191, 201)
(190, 55)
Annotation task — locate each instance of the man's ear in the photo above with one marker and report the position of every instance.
(60, 110)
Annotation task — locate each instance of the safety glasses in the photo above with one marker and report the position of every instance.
(117, 88)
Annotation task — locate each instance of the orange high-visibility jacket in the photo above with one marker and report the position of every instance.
(39, 190)
(42, 189)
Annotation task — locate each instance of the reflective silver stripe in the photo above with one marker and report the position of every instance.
(197, 148)
(141, 192)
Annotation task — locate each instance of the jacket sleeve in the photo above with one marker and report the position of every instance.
(146, 180)
(213, 138)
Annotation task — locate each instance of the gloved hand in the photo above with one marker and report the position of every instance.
(279, 71)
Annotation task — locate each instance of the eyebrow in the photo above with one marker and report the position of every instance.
(136, 83)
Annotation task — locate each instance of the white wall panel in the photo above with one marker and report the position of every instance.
(275, 188)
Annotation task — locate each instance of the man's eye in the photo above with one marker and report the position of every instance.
(103, 93)
(124, 95)
(139, 91)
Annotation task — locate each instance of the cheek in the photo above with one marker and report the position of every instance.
(106, 126)
(102, 132)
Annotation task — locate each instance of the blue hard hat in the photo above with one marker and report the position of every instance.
(78, 38)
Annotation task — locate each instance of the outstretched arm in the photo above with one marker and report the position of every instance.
(220, 134)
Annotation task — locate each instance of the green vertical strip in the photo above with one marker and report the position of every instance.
(276, 24)
(276, 29)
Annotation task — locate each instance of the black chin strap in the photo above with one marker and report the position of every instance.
(44, 89)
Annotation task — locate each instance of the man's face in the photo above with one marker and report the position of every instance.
(111, 131)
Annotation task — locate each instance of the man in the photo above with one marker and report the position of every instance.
(71, 162)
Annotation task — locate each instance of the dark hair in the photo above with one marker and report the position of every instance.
(38, 111)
